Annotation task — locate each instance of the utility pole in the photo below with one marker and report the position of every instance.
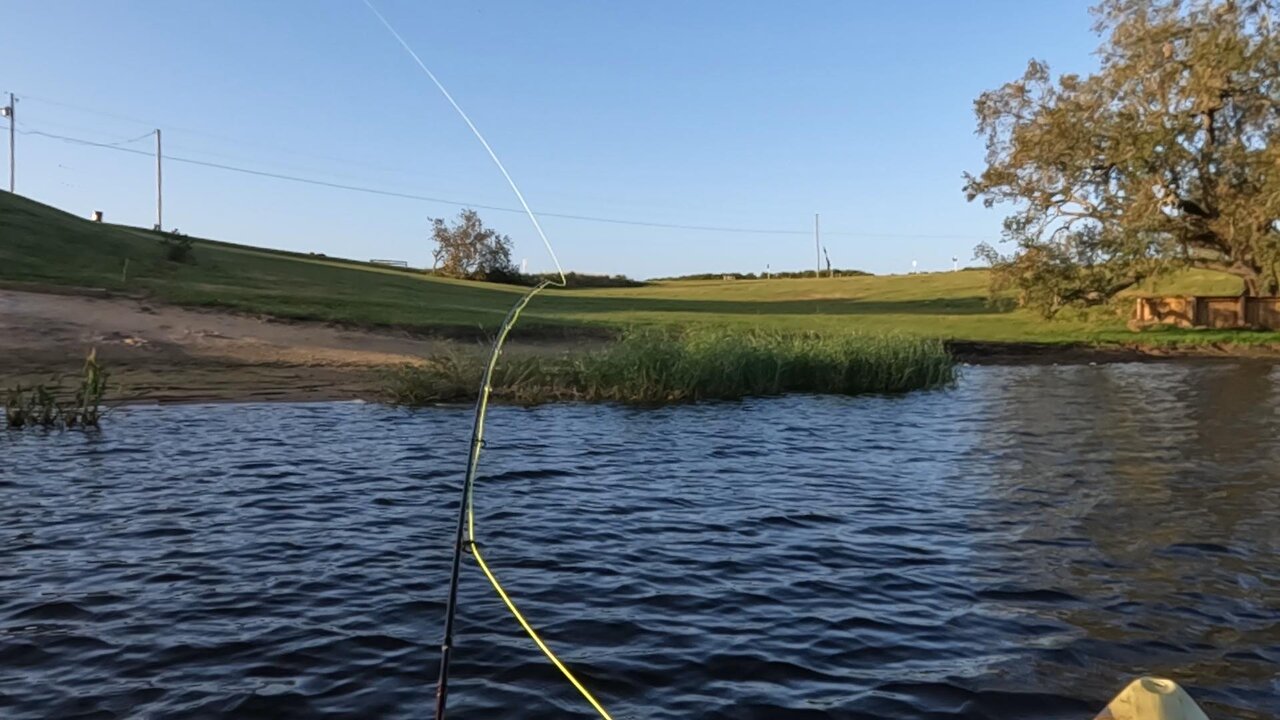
(817, 247)
(8, 111)
(159, 187)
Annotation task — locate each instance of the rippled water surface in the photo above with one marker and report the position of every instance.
(1016, 547)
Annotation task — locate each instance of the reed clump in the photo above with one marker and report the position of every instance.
(47, 406)
(655, 367)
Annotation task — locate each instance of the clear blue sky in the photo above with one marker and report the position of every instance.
(750, 115)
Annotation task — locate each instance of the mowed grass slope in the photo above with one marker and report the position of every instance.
(949, 305)
(39, 244)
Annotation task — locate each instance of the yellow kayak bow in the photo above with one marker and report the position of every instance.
(1151, 698)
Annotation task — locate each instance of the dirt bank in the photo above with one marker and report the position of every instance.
(163, 353)
(993, 353)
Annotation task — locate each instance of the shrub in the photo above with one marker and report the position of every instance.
(177, 248)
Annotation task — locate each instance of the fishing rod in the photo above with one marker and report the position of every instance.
(466, 518)
(466, 510)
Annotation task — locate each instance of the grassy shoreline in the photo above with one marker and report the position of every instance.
(647, 367)
(566, 346)
(52, 249)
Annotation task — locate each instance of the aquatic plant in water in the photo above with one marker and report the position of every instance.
(40, 405)
(654, 366)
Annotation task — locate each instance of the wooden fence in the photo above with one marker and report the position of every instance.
(1214, 312)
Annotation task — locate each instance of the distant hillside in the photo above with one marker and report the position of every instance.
(43, 245)
(781, 275)
(40, 245)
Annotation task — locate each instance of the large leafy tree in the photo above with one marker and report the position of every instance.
(468, 249)
(1165, 158)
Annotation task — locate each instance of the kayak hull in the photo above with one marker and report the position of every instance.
(1150, 698)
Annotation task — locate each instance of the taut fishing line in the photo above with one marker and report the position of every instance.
(466, 513)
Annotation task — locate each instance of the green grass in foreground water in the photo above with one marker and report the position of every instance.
(647, 367)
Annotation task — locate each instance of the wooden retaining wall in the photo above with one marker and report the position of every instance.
(1214, 312)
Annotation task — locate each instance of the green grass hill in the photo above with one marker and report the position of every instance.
(41, 246)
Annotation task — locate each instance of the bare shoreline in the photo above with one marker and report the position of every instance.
(159, 353)
(163, 353)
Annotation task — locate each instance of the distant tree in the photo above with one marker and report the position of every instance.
(585, 280)
(773, 274)
(1166, 158)
(177, 248)
(468, 249)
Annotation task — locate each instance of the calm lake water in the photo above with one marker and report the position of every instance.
(1019, 546)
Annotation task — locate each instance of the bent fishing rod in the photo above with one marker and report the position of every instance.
(464, 538)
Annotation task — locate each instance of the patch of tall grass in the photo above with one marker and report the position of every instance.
(44, 406)
(652, 367)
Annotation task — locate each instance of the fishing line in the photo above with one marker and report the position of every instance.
(466, 513)
(481, 206)
(474, 131)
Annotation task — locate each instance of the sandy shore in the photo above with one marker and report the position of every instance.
(163, 353)
(169, 354)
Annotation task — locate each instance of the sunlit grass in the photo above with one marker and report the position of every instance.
(44, 246)
(649, 367)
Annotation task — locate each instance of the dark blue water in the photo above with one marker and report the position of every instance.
(1017, 547)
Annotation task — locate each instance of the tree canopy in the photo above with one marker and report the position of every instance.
(1163, 159)
(468, 249)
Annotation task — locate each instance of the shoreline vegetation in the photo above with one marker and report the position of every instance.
(228, 322)
(48, 249)
(57, 407)
(648, 367)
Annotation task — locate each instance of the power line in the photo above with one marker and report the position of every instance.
(204, 133)
(407, 196)
(94, 129)
(460, 203)
(143, 136)
(196, 151)
(82, 108)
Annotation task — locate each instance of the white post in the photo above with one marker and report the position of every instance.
(159, 187)
(817, 247)
(13, 121)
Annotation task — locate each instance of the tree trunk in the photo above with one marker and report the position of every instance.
(1255, 283)
(1252, 288)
